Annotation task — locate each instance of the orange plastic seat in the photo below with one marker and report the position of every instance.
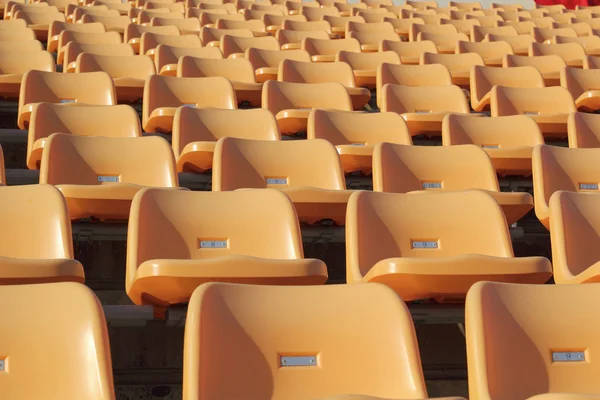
(584, 86)
(178, 7)
(376, 15)
(236, 46)
(483, 79)
(266, 62)
(325, 50)
(415, 29)
(409, 52)
(590, 44)
(31, 214)
(487, 21)
(549, 66)
(259, 14)
(508, 141)
(291, 103)
(478, 33)
(256, 26)
(581, 28)
(462, 25)
(212, 36)
(422, 4)
(355, 134)
(306, 26)
(491, 52)
(273, 22)
(145, 16)
(365, 65)
(308, 72)
(412, 169)
(411, 75)
(435, 19)
(116, 24)
(432, 245)
(549, 107)
(94, 88)
(167, 57)
(459, 65)
(317, 14)
(72, 50)
(307, 171)
(583, 130)
(509, 16)
(56, 27)
(186, 26)
(99, 176)
(572, 53)
(13, 64)
(372, 41)
(466, 6)
(40, 21)
(508, 6)
(228, 7)
(164, 94)
(590, 62)
(299, 374)
(164, 267)
(558, 168)
(196, 131)
(102, 11)
(133, 33)
(150, 41)
(373, 27)
(522, 27)
(519, 43)
(531, 340)
(402, 27)
(292, 40)
(84, 120)
(209, 18)
(543, 22)
(129, 73)
(446, 44)
(424, 107)
(66, 37)
(239, 71)
(542, 34)
(338, 23)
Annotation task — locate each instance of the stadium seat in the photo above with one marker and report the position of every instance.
(519, 43)
(572, 53)
(12, 24)
(259, 14)
(308, 171)
(583, 130)
(466, 6)
(187, 26)
(13, 64)
(527, 352)
(584, 86)
(229, 7)
(522, 27)
(415, 29)
(239, 71)
(167, 57)
(380, 27)
(40, 21)
(129, 73)
(462, 25)
(514, 16)
(338, 23)
(556, 168)
(291, 103)
(273, 22)
(317, 14)
(371, 42)
(478, 33)
(325, 50)
(299, 7)
(212, 36)
(509, 141)
(308, 72)
(488, 21)
(365, 65)
(376, 15)
(236, 46)
(459, 65)
(73, 325)
(409, 52)
(483, 79)
(422, 4)
(549, 66)
(101, 11)
(542, 34)
(582, 29)
(116, 24)
(446, 44)
(292, 40)
(354, 134)
(320, 25)
(99, 176)
(411, 75)
(150, 41)
(424, 107)
(256, 26)
(266, 62)
(549, 107)
(30, 216)
(178, 240)
(491, 52)
(164, 94)
(13, 6)
(509, 6)
(133, 33)
(545, 23)
(145, 16)
(306, 363)
(590, 44)
(94, 88)
(83, 120)
(433, 245)
(196, 131)
(436, 19)
(56, 27)
(209, 18)
(409, 169)
(72, 50)
(66, 37)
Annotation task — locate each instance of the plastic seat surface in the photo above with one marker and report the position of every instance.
(583, 130)
(459, 65)
(549, 66)
(409, 52)
(13, 65)
(266, 62)
(365, 65)
(167, 57)
(584, 86)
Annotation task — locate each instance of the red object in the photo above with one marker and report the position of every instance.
(570, 4)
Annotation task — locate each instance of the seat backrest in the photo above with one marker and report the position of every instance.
(544, 64)
(509, 6)
(578, 81)
(581, 28)
(306, 25)
(239, 44)
(237, 69)
(146, 15)
(522, 27)
(326, 46)
(478, 32)
(208, 35)
(56, 27)
(55, 87)
(348, 127)
(38, 60)
(466, 6)
(278, 96)
(367, 61)
(487, 50)
(170, 91)
(134, 31)
(209, 125)
(245, 163)
(88, 38)
(187, 25)
(423, 99)
(507, 342)
(254, 25)
(535, 101)
(308, 72)
(543, 34)
(150, 41)
(406, 50)
(500, 132)
(71, 317)
(462, 25)
(413, 75)
(166, 55)
(277, 20)
(260, 58)
(340, 22)
(72, 50)
(588, 42)
(519, 43)
(110, 23)
(103, 11)
(138, 67)
(224, 308)
(566, 51)
(21, 47)
(415, 29)
(487, 21)
(86, 160)
(483, 79)
(374, 37)
(317, 14)
(374, 27)
(31, 215)
(584, 130)
(454, 62)
(210, 17)
(286, 36)
(380, 226)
